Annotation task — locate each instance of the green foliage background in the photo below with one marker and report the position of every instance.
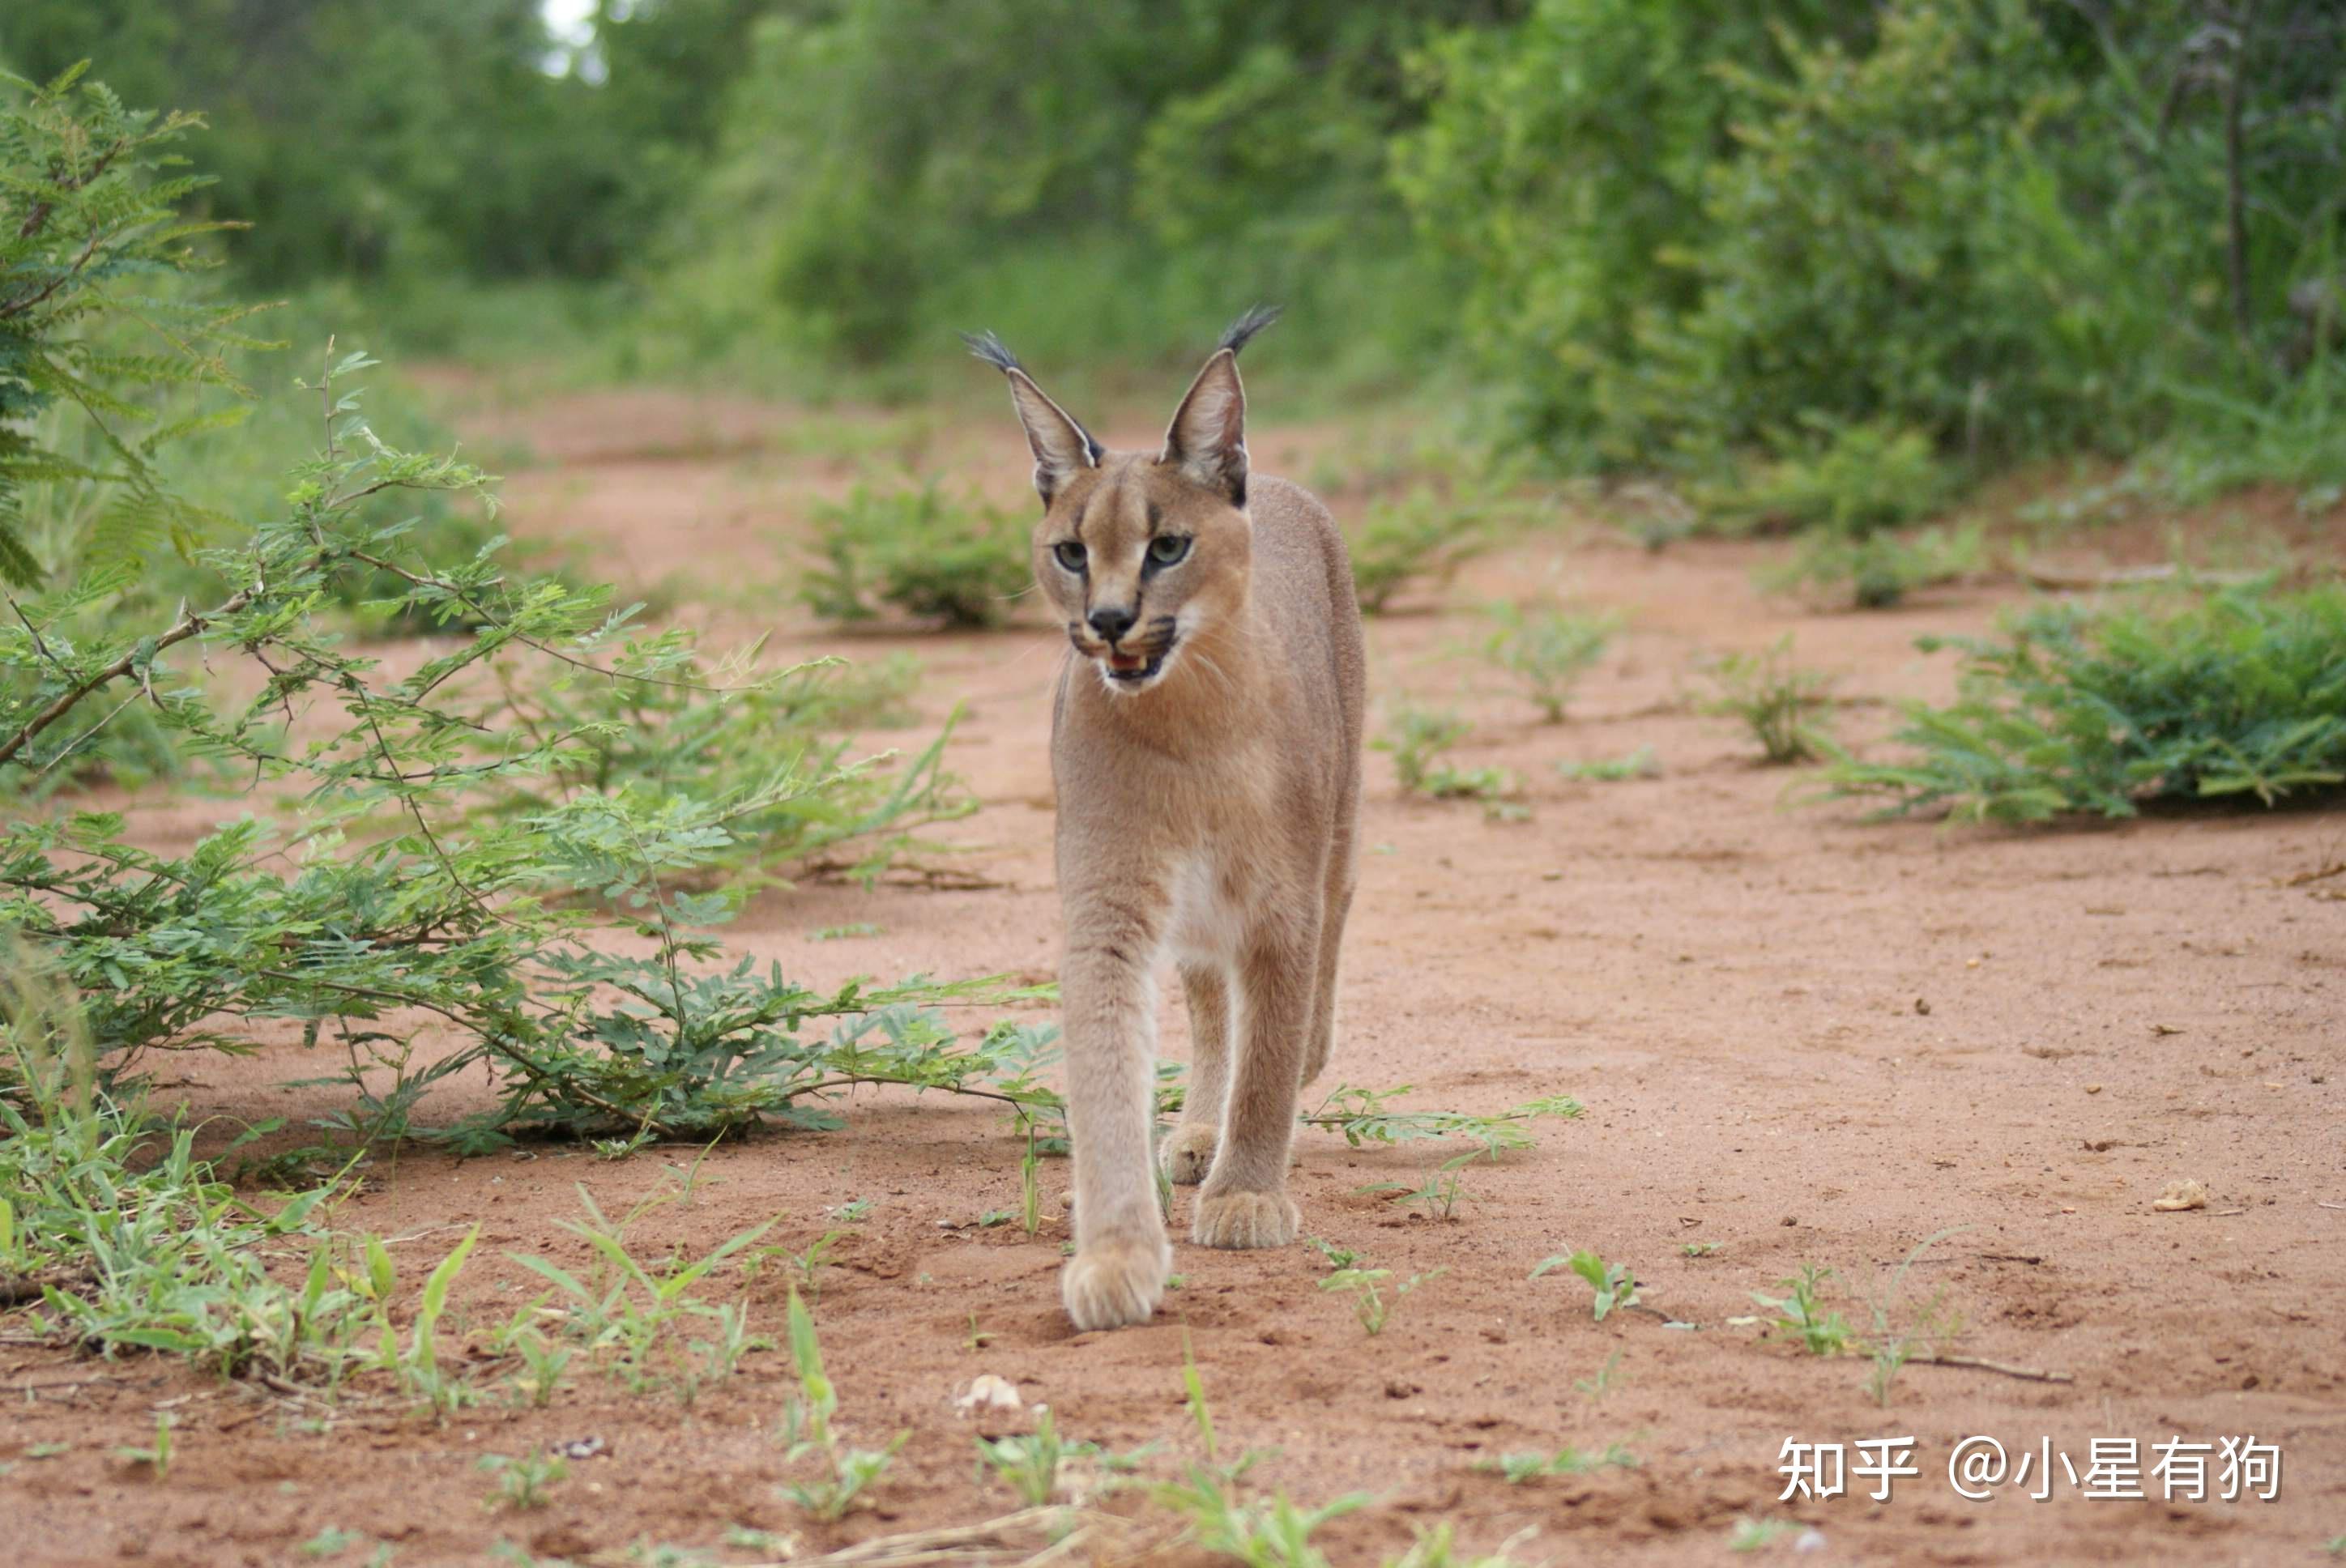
(1696, 236)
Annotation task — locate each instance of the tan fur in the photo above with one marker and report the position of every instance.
(1206, 815)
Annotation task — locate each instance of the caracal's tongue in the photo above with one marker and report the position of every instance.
(1125, 660)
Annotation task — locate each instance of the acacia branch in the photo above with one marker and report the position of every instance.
(188, 627)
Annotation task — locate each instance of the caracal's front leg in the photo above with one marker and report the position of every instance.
(1189, 1151)
(1108, 1005)
(1244, 1202)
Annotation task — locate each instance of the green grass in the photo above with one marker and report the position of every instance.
(2238, 696)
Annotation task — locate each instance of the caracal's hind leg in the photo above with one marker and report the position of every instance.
(1244, 1202)
(1343, 874)
(1189, 1149)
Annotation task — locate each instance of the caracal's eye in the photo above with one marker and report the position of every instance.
(1070, 555)
(1167, 548)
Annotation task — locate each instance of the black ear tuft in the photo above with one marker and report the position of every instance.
(987, 347)
(1242, 331)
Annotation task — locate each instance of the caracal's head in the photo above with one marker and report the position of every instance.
(1142, 554)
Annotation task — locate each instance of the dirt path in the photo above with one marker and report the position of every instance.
(1800, 1040)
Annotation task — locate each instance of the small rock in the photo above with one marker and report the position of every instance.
(1922, 1007)
(2092, 1088)
(1808, 1541)
(2180, 1195)
(988, 1392)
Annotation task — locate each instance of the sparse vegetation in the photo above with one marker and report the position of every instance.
(1783, 704)
(959, 562)
(1423, 538)
(1519, 1468)
(1418, 737)
(1639, 764)
(1366, 1287)
(1546, 651)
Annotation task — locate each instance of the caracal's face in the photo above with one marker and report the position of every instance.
(1141, 562)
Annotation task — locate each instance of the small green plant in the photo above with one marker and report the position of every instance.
(522, 1482)
(1365, 1116)
(1273, 1533)
(1894, 1337)
(1417, 737)
(2236, 695)
(1613, 1283)
(1436, 1547)
(1337, 1257)
(1594, 1387)
(1752, 1535)
(1369, 1304)
(1546, 651)
(1639, 764)
(1034, 1465)
(807, 1264)
(543, 1363)
(961, 563)
(1438, 1193)
(844, 1472)
(418, 1366)
(155, 1455)
(1699, 1249)
(1782, 706)
(1800, 1310)
(1030, 1186)
(1519, 1468)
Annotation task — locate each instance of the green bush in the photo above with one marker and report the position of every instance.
(1700, 235)
(962, 562)
(2241, 693)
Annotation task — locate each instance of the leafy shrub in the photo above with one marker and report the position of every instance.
(961, 563)
(1548, 651)
(2242, 693)
(470, 826)
(1863, 478)
(1783, 704)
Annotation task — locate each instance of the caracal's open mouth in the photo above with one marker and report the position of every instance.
(1133, 667)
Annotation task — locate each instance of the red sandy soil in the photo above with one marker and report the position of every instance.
(1801, 1038)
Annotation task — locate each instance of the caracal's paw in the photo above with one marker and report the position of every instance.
(1239, 1219)
(1110, 1284)
(1188, 1153)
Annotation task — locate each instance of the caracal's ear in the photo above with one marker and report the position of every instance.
(1207, 439)
(1061, 446)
